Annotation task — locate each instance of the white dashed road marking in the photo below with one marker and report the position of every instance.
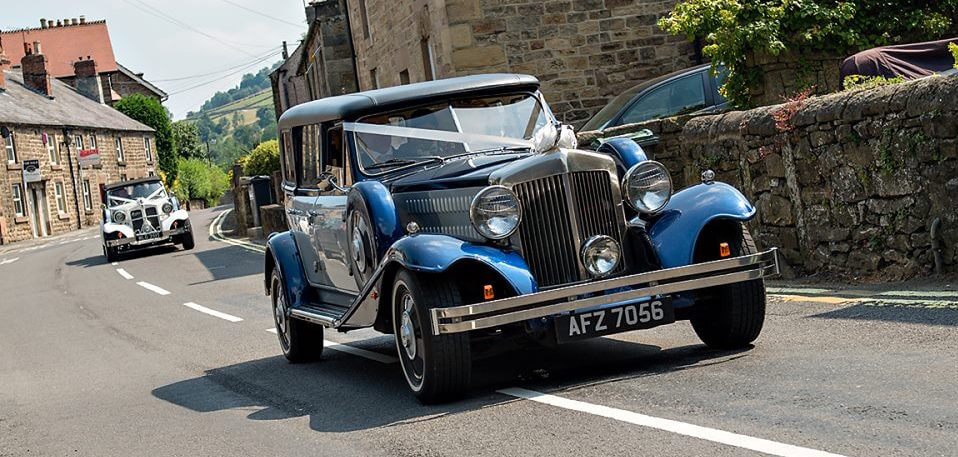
(213, 312)
(153, 288)
(668, 425)
(6, 261)
(123, 273)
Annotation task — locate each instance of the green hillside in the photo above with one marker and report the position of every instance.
(246, 107)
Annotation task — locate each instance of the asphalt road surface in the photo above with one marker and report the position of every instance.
(169, 353)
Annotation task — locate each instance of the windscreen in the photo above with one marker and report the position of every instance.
(441, 131)
(132, 192)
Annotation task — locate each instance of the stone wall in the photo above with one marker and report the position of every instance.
(781, 77)
(845, 184)
(584, 51)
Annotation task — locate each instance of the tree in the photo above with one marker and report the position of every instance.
(732, 30)
(197, 180)
(187, 139)
(149, 111)
(262, 160)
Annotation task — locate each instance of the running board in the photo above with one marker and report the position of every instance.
(326, 318)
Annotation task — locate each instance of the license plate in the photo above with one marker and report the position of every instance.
(606, 321)
(149, 236)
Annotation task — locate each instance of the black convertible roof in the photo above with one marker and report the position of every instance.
(131, 182)
(351, 106)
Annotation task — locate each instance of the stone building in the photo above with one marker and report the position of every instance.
(71, 40)
(584, 51)
(45, 126)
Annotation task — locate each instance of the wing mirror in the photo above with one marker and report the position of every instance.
(176, 203)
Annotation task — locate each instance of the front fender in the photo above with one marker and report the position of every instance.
(109, 227)
(677, 228)
(282, 254)
(437, 253)
(382, 210)
(178, 215)
(626, 152)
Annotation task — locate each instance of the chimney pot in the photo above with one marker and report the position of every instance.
(82, 19)
(59, 23)
(36, 48)
(74, 21)
(43, 23)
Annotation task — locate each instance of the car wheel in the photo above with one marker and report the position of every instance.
(300, 341)
(437, 368)
(361, 246)
(187, 238)
(110, 254)
(733, 315)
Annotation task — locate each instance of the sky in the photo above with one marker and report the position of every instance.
(172, 39)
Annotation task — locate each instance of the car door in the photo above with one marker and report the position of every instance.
(301, 199)
(329, 210)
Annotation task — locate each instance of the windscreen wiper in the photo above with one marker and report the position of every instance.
(394, 163)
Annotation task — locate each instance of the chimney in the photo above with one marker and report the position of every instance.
(87, 81)
(34, 67)
(82, 19)
(43, 23)
(4, 61)
(285, 51)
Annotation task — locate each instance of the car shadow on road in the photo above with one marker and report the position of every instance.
(223, 263)
(929, 315)
(344, 393)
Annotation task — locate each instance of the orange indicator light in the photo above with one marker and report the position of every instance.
(487, 292)
(724, 250)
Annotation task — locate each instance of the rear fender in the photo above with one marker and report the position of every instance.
(678, 227)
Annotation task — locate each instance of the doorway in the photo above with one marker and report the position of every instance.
(39, 210)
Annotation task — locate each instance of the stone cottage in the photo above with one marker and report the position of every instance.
(45, 128)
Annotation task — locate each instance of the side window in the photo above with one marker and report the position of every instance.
(334, 156)
(288, 157)
(671, 99)
(309, 156)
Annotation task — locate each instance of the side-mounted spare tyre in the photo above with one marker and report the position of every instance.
(729, 316)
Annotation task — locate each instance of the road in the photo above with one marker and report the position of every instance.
(169, 353)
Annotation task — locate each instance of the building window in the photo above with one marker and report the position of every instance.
(87, 198)
(11, 149)
(404, 77)
(119, 149)
(18, 201)
(148, 147)
(374, 78)
(428, 59)
(93, 144)
(61, 199)
(78, 142)
(52, 150)
(150, 173)
(365, 17)
(123, 177)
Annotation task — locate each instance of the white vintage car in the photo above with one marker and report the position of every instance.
(140, 213)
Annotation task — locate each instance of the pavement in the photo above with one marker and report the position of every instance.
(170, 352)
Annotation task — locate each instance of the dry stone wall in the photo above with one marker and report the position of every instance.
(845, 184)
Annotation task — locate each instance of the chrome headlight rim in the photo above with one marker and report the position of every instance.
(592, 243)
(167, 208)
(118, 217)
(474, 216)
(627, 190)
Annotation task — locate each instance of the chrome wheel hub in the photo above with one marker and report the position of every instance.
(279, 311)
(359, 248)
(407, 333)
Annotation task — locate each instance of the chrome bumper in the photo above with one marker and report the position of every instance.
(556, 301)
(165, 237)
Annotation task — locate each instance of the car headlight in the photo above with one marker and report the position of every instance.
(167, 208)
(600, 255)
(119, 217)
(495, 212)
(647, 186)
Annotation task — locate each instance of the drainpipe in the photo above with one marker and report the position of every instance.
(936, 244)
(68, 142)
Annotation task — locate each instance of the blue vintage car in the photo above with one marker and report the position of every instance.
(458, 214)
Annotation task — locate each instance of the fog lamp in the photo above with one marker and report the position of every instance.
(600, 255)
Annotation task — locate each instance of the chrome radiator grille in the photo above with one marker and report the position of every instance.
(137, 219)
(559, 213)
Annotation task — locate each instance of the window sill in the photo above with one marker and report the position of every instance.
(88, 211)
(14, 166)
(63, 216)
(56, 167)
(21, 220)
(121, 164)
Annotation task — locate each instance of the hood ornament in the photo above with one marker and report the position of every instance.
(554, 136)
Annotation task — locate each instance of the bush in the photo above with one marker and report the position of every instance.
(954, 52)
(731, 30)
(197, 180)
(856, 82)
(262, 160)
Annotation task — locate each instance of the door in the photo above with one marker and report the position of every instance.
(299, 202)
(329, 211)
(39, 210)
